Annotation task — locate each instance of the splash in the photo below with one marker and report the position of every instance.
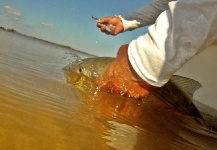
(71, 57)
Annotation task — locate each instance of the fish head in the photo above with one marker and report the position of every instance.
(90, 67)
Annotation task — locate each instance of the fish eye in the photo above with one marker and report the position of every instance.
(80, 70)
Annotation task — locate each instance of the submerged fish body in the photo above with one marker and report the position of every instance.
(178, 92)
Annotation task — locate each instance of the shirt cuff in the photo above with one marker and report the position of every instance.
(149, 64)
(129, 25)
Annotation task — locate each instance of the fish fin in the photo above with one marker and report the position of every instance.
(209, 114)
(187, 85)
(178, 93)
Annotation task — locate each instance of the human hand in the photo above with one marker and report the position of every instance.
(121, 78)
(113, 23)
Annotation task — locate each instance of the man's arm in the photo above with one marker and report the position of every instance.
(148, 14)
(180, 32)
(142, 17)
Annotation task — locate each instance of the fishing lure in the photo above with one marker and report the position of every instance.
(96, 19)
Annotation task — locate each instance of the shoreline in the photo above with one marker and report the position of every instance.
(42, 40)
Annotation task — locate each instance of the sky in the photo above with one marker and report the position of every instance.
(69, 22)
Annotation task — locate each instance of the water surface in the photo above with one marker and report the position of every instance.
(41, 107)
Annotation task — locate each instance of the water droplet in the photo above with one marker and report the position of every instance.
(96, 91)
(136, 96)
(72, 57)
(124, 87)
(78, 60)
(122, 93)
(95, 74)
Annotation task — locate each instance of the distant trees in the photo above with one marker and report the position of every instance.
(9, 29)
(17, 32)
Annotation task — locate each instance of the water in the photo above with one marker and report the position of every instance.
(40, 107)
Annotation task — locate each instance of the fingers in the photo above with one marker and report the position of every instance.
(108, 29)
(110, 25)
(122, 87)
(104, 20)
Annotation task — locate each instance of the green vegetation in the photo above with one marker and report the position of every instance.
(9, 30)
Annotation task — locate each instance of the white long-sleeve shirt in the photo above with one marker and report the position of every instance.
(180, 29)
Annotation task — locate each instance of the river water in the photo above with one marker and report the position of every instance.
(42, 108)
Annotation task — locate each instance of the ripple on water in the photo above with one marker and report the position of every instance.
(40, 110)
(153, 122)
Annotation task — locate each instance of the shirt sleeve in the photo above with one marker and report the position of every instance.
(145, 16)
(179, 33)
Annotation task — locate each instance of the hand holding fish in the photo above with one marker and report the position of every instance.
(121, 78)
(113, 23)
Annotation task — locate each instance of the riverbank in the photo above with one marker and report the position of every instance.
(38, 39)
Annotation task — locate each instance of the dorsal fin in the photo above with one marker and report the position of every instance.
(178, 92)
(186, 85)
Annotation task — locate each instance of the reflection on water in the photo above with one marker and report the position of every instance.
(40, 109)
(143, 124)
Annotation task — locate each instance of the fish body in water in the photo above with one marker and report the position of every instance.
(178, 92)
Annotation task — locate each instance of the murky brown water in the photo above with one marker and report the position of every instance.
(41, 109)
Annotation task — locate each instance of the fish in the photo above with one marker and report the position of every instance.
(178, 92)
